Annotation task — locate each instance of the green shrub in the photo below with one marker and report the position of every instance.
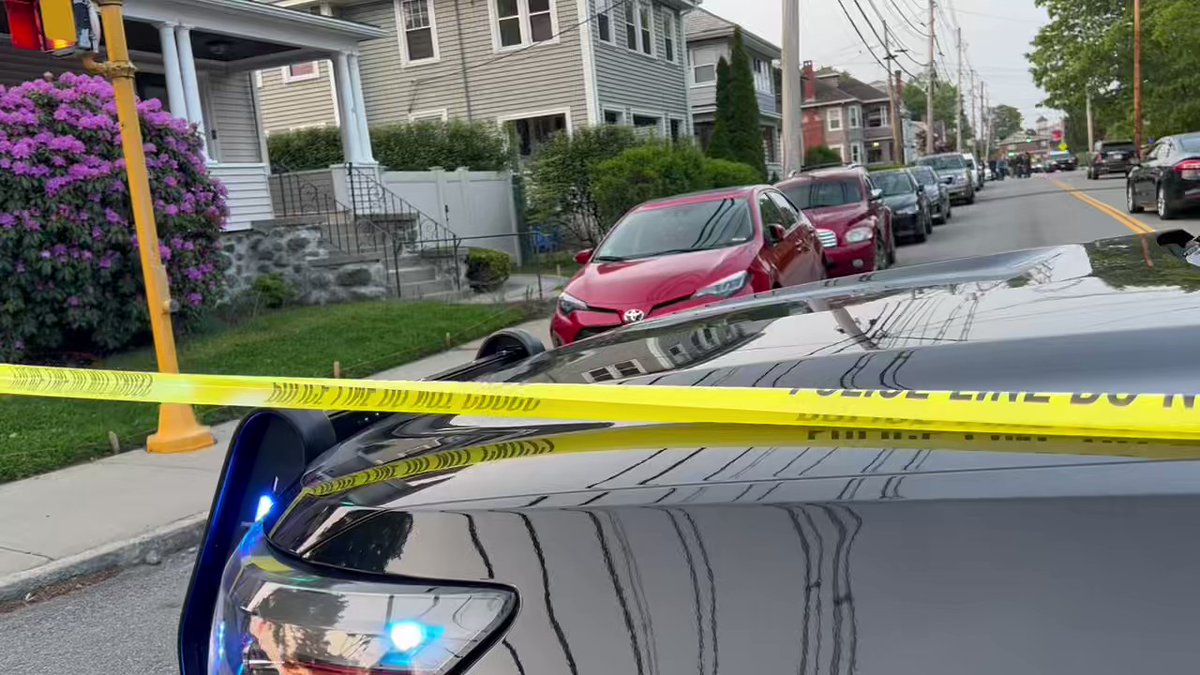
(306, 149)
(487, 270)
(649, 171)
(723, 173)
(272, 291)
(420, 146)
(560, 188)
(821, 155)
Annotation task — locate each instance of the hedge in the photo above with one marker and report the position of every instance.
(420, 146)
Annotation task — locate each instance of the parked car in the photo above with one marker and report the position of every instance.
(1112, 157)
(1061, 160)
(447, 543)
(854, 225)
(910, 210)
(936, 192)
(952, 169)
(679, 253)
(976, 170)
(1169, 179)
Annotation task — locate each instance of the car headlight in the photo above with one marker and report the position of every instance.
(960, 179)
(272, 618)
(568, 303)
(907, 210)
(859, 234)
(725, 287)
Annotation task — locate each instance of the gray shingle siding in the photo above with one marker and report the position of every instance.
(543, 77)
(635, 83)
(234, 125)
(294, 105)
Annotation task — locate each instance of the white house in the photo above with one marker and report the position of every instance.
(198, 56)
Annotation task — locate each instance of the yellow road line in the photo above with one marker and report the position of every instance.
(1125, 219)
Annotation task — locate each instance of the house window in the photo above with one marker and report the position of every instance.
(875, 154)
(770, 149)
(669, 29)
(762, 76)
(604, 21)
(878, 117)
(856, 153)
(855, 116)
(639, 27)
(523, 22)
(298, 72)
(418, 38)
(532, 132)
(704, 66)
(834, 119)
(645, 126)
(429, 116)
(615, 117)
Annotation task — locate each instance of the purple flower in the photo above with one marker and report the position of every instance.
(194, 274)
(97, 233)
(112, 217)
(195, 299)
(7, 220)
(45, 255)
(164, 252)
(73, 301)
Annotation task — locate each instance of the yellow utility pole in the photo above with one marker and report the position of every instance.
(178, 430)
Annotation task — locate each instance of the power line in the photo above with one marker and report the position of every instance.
(908, 21)
(860, 35)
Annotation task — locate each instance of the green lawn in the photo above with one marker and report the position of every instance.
(43, 434)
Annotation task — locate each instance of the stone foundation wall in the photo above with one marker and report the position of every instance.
(319, 273)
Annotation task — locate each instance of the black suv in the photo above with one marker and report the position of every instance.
(1112, 157)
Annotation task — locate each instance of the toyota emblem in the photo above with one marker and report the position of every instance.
(634, 315)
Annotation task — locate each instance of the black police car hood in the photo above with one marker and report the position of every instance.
(686, 549)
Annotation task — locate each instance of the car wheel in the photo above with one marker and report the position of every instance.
(891, 256)
(881, 255)
(1131, 204)
(928, 222)
(970, 198)
(1165, 210)
(949, 211)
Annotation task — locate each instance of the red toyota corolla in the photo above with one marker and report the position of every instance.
(852, 221)
(682, 252)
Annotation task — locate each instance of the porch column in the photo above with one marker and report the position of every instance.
(351, 146)
(191, 86)
(170, 53)
(364, 133)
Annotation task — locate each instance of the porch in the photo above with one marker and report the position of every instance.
(198, 57)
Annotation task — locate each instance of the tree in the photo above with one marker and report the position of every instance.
(1088, 47)
(561, 190)
(720, 145)
(738, 136)
(1006, 120)
(945, 106)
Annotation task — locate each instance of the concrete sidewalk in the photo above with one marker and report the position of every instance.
(134, 506)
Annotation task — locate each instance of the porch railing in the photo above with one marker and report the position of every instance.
(298, 197)
(416, 231)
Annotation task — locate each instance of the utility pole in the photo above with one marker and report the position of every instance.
(893, 99)
(975, 126)
(985, 121)
(1137, 77)
(929, 146)
(1091, 122)
(958, 130)
(793, 95)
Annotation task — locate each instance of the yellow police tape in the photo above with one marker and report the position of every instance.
(1139, 416)
(689, 436)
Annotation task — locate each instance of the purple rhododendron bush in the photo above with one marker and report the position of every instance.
(71, 277)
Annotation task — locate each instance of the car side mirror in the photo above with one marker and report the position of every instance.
(778, 234)
(876, 194)
(584, 256)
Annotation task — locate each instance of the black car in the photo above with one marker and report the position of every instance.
(906, 198)
(376, 544)
(937, 194)
(1168, 181)
(1061, 161)
(1112, 157)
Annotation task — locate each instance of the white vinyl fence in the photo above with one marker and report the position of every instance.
(475, 205)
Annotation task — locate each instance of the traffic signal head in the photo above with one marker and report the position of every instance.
(61, 27)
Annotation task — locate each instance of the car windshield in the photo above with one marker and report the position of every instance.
(925, 175)
(678, 228)
(894, 183)
(1060, 155)
(1190, 143)
(944, 162)
(819, 194)
(1116, 147)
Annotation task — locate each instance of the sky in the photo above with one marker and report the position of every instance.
(996, 36)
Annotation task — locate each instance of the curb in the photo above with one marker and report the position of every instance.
(170, 538)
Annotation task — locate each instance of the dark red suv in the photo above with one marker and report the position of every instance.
(854, 225)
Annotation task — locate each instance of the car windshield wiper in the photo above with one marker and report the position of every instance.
(610, 258)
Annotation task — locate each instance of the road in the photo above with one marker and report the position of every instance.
(127, 624)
